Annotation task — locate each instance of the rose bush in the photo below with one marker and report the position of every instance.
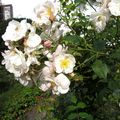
(70, 47)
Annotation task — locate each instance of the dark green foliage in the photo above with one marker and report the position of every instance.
(97, 74)
(17, 101)
(100, 69)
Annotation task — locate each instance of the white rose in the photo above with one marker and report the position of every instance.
(100, 19)
(15, 62)
(46, 12)
(114, 7)
(64, 63)
(15, 30)
(62, 83)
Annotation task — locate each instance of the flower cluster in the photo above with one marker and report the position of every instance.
(59, 64)
(34, 54)
(29, 55)
(100, 12)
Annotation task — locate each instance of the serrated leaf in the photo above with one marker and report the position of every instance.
(72, 116)
(100, 69)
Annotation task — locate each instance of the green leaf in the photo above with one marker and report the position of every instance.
(72, 39)
(71, 108)
(50, 108)
(100, 44)
(72, 116)
(81, 105)
(116, 54)
(100, 69)
(86, 116)
(74, 99)
(77, 1)
(83, 115)
(90, 117)
(114, 84)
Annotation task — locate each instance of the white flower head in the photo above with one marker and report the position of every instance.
(100, 19)
(62, 84)
(59, 84)
(46, 12)
(15, 62)
(114, 7)
(64, 63)
(15, 30)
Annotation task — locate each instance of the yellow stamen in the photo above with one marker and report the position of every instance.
(49, 11)
(50, 14)
(65, 63)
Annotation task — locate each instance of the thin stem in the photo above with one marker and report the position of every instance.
(91, 5)
(87, 60)
(117, 26)
(90, 50)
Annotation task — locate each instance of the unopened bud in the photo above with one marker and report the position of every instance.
(47, 44)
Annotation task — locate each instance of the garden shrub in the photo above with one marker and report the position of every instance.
(94, 92)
